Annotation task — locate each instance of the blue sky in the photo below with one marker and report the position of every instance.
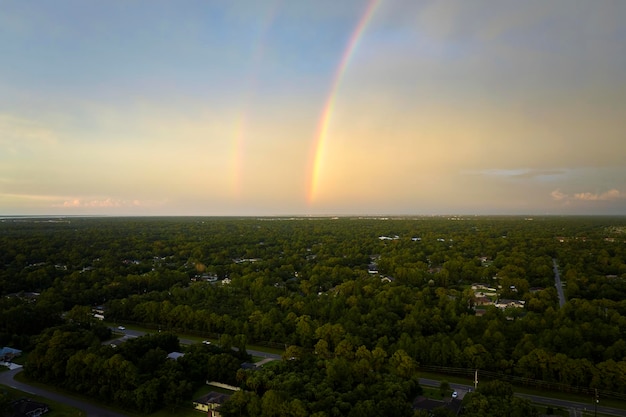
(214, 107)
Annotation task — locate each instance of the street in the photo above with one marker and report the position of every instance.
(128, 333)
(558, 284)
(6, 378)
(575, 408)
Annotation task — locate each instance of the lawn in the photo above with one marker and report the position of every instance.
(56, 409)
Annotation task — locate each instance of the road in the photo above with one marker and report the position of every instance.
(575, 408)
(6, 378)
(128, 333)
(557, 283)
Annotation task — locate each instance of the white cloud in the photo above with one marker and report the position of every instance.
(610, 195)
(558, 195)
(100, 203)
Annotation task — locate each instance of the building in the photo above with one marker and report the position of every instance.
(210, 403)
(504, 303)
(28, 408)
(175, 355)
(7, 354)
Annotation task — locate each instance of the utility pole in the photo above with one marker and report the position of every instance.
(596, 404)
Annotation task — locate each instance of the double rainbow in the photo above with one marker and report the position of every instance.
(324, 122)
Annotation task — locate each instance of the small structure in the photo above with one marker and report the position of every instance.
(504, 303)
(210, 403)
(175, 355)
(28, 408)
(483, 301)
(7, 354)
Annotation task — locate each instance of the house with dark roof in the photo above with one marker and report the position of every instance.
(28, 408)
(210, 403)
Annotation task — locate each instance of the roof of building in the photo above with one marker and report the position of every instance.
(175, 355)
(27, 407)
(212, 398)
(10, 351)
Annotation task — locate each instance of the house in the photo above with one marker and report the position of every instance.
(504, 303)
(28, 408)
(7, 354)
(483, 301)
(211, 403)
(175, 355)
(483, 288)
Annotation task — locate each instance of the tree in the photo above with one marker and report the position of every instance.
(444, 387)
(5, 404)
(402, 364)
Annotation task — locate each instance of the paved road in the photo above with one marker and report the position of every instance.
(6, 378)
(557, 283)
(575, 408)
(136, 333)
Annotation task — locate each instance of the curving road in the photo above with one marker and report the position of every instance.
(557, 283)
(6, 378)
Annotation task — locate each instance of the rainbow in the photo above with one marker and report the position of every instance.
(241, 122)
(324, 121)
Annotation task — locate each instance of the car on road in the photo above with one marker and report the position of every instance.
(206, 342)
(121, 328)
(455, 394)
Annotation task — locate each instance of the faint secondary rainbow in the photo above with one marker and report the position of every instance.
(242, 120)
(324, 122)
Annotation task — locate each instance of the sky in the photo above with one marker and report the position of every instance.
(326, 107)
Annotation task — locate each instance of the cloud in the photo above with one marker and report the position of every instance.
(106, 203)
(520, 173)
(610, 195)
(558, 195)
(606, 196)
(23, 196)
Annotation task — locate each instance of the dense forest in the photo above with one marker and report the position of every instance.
(358, 304)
